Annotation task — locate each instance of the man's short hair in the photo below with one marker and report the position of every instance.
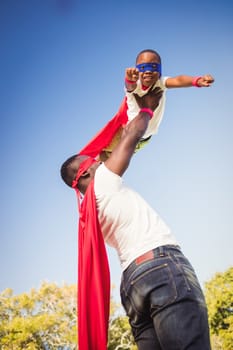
(67, 171)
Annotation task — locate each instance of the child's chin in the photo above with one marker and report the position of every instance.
(149, 82)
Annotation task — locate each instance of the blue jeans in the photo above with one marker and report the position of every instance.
(164, 302)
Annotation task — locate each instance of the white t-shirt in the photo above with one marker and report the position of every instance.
(133, 108)
(128, 223)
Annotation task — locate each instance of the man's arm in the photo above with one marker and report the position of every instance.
(120, 158)
(187, 81)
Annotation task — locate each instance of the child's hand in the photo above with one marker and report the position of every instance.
(205, 81)
(132, 74)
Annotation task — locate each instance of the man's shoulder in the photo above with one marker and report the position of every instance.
(105, 180)
(104, 171)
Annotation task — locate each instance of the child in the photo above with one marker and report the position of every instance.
(138, 81)
(147, 75)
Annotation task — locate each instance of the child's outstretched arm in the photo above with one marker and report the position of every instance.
(131, 78)
(186, 81)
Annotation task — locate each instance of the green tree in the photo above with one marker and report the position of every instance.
(43, 319)
(46, 319)
(219, 298)
(120, 335)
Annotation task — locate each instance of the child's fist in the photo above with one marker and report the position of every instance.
(132, 74)
(205, 80)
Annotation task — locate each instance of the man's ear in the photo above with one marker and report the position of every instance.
(85, 174)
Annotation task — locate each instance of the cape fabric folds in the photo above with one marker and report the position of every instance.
(104, 137)
(93, 278)
(93, 268)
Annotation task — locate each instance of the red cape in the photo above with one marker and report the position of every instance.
(93, 278)
(93, 268)
(104, 137)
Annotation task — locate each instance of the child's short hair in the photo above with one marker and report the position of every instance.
(151, 51)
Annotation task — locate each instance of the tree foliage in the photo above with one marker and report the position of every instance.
(219, 298)
(45, 319)
(40, 319)
(120, 335)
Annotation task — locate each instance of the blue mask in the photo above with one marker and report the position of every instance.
(149, 67)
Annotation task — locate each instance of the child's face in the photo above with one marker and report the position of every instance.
(148, 78)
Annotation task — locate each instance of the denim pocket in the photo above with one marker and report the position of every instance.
(151, 290)
(190, 277)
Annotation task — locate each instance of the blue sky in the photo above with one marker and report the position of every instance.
(61, 80)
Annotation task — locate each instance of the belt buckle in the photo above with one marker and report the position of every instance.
(144, 257)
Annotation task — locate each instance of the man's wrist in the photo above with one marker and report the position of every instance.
(148, 111)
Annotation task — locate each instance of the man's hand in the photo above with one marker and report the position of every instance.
(149, 100)
(132, 74)
(205, 81)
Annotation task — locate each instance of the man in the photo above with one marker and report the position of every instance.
(159, 289)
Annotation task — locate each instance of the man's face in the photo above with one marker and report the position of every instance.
(93, 168)
(83, 171)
